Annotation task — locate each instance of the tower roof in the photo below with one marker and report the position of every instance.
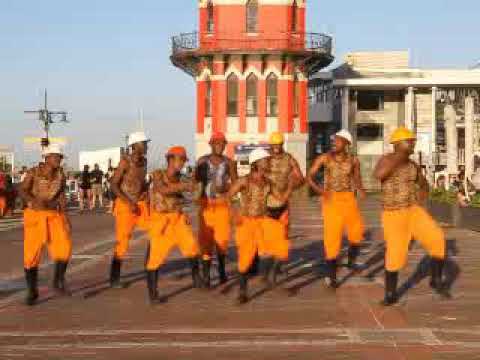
(204, 3)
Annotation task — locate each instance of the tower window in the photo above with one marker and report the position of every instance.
(294, 16)
(232, 95)
(272, 95)
(252, 95)
(208, 98)
(210, 22)
(296, 95)
(252, 16)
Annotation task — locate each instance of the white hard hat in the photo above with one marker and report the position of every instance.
(258, 154)
(52, 149)
(345, 134)
(137, 137)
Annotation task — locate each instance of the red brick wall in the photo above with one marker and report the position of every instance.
(274, 23)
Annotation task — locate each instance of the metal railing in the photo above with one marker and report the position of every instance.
(440, 158)
(314, 42)
(184, 42)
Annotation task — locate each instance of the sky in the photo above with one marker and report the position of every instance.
(104, 60)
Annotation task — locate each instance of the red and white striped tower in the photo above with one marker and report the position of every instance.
(251, 61)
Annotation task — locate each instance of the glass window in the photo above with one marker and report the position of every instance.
(272, 95)
(210, 22)
(252, 16)
(208, 98)
(370, 101)
(232, 95)
(252, 95)
(370, 132)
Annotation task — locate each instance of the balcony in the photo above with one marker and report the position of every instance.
(313, 48)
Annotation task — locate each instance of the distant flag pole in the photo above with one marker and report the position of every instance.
(142, 128)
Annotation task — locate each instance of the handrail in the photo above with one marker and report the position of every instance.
(284, 41)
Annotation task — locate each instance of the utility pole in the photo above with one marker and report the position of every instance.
(47, 118)
(126, 145)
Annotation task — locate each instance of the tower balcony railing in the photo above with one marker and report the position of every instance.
(295, 42)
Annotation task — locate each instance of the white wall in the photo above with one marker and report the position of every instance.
(100, 157)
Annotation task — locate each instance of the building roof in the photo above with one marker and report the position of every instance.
(6, 148)
(390, 69)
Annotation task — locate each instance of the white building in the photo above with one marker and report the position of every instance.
(373, 93)
(7, 159)
(105, 158)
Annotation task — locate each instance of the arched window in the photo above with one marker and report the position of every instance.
(252, 16)
(272, 95)
(294, 16)
(296, 94)
(210, 22)
(232, 95)
(208, 98)
(252, 95)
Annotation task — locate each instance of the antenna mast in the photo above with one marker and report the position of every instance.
(47, 118)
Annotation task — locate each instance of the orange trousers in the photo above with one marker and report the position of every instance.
(262, 235)
(126, 222)
(45, 227)
(285, 218)
(401, 226)
(340, 213)
(214, 226)
(3, 205)
(166, 231)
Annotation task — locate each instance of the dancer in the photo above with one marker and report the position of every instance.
(403, 217)
(255, 231)
(46, 222)
(339, 205)
(282, 169)
(216, 173)
(130, 188)
(170, 226)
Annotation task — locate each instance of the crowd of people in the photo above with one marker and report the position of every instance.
(260, 221)
(464, 188)
(94, 188)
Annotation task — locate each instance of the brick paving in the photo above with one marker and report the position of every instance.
(301, 320)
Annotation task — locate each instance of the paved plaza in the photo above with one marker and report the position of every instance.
(300, 320)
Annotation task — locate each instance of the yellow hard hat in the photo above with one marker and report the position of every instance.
(276, 138)
(402, 134)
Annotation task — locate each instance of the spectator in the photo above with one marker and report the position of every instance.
(476, 180)
(465, 184)
(23, 173)
(462, 199)
(110, 195)
(3, 194)
(85, 188)
(441, 183)
(11, 195)
(97, 186)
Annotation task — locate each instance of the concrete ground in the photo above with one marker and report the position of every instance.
(300, 320)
